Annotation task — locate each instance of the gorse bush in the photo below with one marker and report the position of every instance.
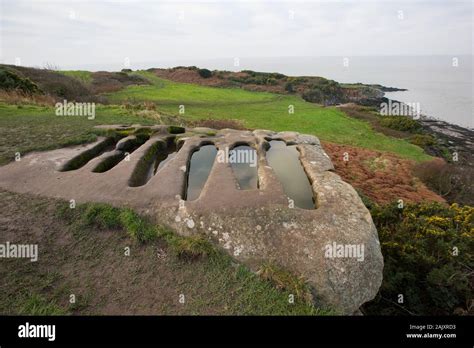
(401, 123)
(11, 81)
(58, 85)
(428, 257)
(423, 140)
(205, 73)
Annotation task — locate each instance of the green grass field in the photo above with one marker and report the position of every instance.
(27, 128)
(168, 92)
(84, 76)
(266, 111)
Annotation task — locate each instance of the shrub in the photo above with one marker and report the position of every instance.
(55, 84)
(257, 78)
(369, 204)
(11, 81)
(401, 123)
(289, 87)
(205, 73)
(192, 68)
(428, 259)
(451, 181)
(105, 82)
(423, 140)
(313, 96)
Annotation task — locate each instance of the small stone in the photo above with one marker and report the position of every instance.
(190, 223)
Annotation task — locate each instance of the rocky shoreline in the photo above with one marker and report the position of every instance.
(452, 139)
(456, 138)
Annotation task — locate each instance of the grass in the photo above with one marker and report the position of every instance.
(264, 110)
(104, 216)
(283, 279)
(38, 305)
(25, 128)
(193, 248)
(172, 93)
(81, 75)
(82, 254)
(272, 295)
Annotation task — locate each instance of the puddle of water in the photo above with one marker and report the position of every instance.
(245, 168)
(287, 166)
(200, 166)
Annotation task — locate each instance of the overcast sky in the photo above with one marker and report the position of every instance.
(69, 33)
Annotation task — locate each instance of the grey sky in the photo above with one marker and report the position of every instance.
(71, 33)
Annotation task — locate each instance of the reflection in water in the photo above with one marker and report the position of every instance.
(287, 166)
(245, 168)
(199, 168)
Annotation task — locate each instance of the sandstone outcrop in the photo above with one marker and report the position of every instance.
(334, 246)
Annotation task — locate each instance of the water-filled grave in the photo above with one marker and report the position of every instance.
(285, 162)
